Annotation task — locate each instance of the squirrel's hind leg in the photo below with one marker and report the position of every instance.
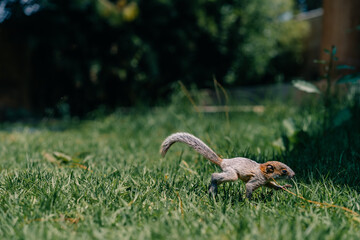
(218, 178)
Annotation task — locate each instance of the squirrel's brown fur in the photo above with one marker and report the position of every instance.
(249, 171)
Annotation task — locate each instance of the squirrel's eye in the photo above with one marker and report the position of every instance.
(284, 171)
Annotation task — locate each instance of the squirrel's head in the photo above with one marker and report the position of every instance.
(274, 169)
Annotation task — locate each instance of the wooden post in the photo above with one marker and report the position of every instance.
(340, 22)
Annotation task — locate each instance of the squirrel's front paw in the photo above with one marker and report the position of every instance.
(287, 186)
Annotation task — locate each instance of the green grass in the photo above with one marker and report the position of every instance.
(130, 192)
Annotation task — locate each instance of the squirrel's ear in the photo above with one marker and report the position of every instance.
(269, 168)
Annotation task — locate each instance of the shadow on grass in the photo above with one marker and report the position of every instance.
(333, 153)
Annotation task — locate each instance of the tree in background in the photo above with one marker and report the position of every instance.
(91, 52)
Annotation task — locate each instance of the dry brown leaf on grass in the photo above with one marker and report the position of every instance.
(62, 159)
(59, 219)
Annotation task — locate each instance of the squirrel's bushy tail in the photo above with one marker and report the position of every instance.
(193, 142)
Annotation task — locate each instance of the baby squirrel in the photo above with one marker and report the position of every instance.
(252, 173)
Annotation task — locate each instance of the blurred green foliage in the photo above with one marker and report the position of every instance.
(92, 52)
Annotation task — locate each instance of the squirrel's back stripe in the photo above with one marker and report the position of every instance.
(193, 142)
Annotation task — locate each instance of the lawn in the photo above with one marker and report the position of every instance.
(108, 180)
